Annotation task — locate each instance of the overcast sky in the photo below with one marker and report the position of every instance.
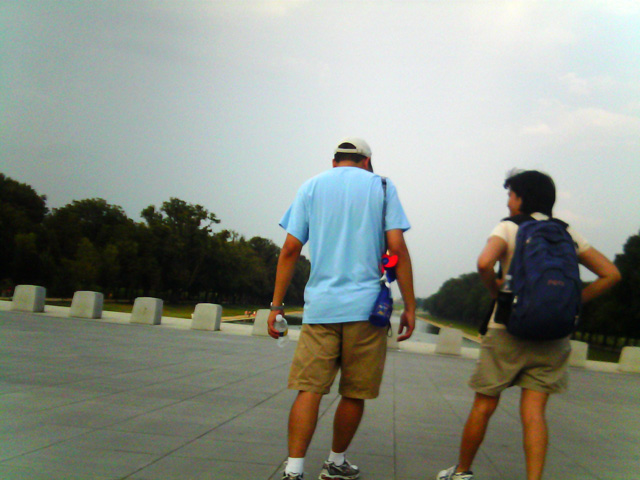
(234, 104)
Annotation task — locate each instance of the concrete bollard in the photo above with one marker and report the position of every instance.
(28, 298)
(629, 360)
(260, 323)
(207, 316)
(392, 341)
(579, 351)
(449, 341)
(86, 304)
(146, 310)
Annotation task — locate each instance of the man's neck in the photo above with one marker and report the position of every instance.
(348, 163)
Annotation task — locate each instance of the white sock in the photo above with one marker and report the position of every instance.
(295, 465)
(336, 458)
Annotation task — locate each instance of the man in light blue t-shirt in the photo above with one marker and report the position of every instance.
(339, 213)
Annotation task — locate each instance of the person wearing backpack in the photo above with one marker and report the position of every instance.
(536, 308)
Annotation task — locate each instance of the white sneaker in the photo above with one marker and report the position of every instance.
(450, 474)
(290, 476)
(346, 471)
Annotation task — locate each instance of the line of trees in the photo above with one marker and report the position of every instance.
(173, 253)
(612, 320)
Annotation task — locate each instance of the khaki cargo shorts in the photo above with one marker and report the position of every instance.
(506, 360)
(357, 349)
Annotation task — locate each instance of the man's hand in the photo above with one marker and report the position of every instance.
(286, 265)
(407, 325)
(404, 274)
(273, 333)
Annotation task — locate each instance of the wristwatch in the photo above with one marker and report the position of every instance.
(276, 308)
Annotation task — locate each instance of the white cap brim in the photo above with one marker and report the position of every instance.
(361, 147)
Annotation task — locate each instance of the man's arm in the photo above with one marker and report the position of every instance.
(607, 272)
(492, 252)
(404, 274)
(286, 266)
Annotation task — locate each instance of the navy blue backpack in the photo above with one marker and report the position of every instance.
(545, 281)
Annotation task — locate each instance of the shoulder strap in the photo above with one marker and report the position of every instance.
(523, 217)
(384, 211)
(560, 222)
(518, 219)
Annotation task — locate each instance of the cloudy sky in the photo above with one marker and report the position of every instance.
(233, 104)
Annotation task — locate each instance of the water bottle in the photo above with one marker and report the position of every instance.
(506, 290)
(283, 329)
(506, 286)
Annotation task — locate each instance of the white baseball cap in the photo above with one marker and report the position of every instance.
(358, 146)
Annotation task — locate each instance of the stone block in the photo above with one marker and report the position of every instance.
(629, 360)
(28, 298)
(449, 341)
(392, 341)
(579, 351)
(260, 323)
(86, 304)
(147, 310)
(207, 316)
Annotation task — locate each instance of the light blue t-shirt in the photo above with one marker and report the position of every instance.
(339, 213)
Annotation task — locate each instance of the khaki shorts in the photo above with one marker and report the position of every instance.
(357, 349)
(506, 360)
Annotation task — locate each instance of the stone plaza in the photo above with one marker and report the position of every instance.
(98, 399)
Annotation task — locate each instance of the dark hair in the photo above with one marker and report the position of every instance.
(536, 189)
(343, 156)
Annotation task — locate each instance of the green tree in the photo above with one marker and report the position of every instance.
(295, 293)
(463, 299)
(84, 241)
(267, 253)
(27, 264)
(180, 234)
(617, 313)
(22, 211)
(93, 219)
(83, 270)
(627, 292)
(173, 254)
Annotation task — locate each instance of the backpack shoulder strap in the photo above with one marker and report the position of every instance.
(384, 212)
(566, 227)
(523, 217)
(518, 219)
(560, 222)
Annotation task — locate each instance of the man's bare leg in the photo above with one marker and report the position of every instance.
(475, 429)
(346, 422)
(534, 430)
(302, 422)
